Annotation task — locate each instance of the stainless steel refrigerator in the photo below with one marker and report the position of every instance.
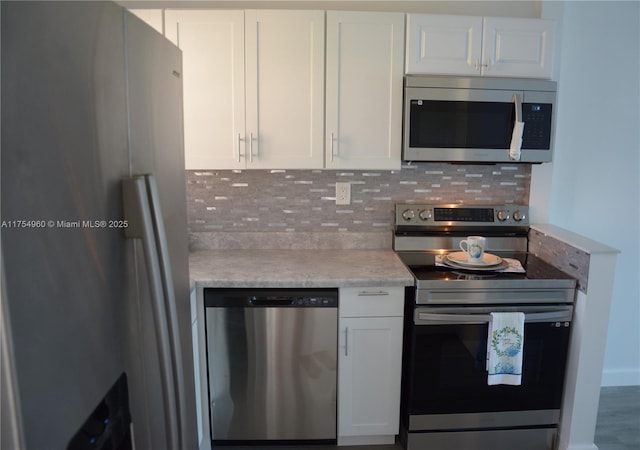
(91, 107)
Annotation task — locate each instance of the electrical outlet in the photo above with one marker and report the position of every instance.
(343, 193)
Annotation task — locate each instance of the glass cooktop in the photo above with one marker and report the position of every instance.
(538, 273)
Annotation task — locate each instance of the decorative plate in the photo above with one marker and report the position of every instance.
(449, 263)
(488, 260)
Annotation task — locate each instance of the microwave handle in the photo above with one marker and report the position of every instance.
(517, 101)
(518, 128)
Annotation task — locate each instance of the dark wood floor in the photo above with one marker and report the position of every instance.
(618, 425)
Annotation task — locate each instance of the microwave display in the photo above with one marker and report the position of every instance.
(479, 125)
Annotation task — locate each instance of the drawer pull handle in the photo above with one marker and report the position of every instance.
(371, 293)
(346, 341)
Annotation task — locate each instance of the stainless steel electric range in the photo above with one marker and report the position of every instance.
(446, 400)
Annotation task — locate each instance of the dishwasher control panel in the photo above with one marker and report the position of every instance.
(315, 301)
(271, 298)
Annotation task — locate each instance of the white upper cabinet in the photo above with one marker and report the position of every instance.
(285, 89)
(443, 44)
(253, 87)
(518, 47)
(212, 44)
(364, 90)
(490, 46)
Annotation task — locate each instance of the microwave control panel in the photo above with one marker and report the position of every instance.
(537, 125)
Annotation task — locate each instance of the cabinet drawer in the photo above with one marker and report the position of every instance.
(372, 302)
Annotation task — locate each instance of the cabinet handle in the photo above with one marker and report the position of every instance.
(332, 147)
(477, 65)
(250, 147)
(346, 341)
(371, 293)
(239, 153)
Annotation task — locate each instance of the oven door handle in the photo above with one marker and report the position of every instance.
(423, 318)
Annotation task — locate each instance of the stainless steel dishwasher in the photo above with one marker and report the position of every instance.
(272, 359)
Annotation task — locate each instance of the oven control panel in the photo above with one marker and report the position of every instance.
(426, 215)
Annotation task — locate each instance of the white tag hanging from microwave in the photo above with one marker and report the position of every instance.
(518, 129)
(516, 141)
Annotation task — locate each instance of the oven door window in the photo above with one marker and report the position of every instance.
(450, 376)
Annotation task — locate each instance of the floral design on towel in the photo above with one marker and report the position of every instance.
(506, 368)
(506, 342)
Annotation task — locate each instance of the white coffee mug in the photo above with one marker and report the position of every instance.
(474, 248)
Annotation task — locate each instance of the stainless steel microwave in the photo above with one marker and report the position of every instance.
(476, 119)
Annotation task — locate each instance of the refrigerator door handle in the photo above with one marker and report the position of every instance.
(142, 211)
(170, 306)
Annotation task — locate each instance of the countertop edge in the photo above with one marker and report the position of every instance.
(574, 239)
(333, 283)
(386, 269)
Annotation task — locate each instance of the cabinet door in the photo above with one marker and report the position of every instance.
(369, 375)
(212, 44)
(518, 47)
(441, 44)
(285, 89)
(364, 90)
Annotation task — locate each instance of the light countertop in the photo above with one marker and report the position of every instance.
(574, 239)
(297, 268)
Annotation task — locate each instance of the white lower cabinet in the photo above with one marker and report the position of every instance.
(369, 365)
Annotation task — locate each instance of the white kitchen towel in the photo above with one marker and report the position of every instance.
(504, 348)
(516, 141)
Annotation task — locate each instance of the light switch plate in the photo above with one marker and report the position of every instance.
(343, 193)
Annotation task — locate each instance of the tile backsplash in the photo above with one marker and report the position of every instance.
(304, 200)
(564, 256)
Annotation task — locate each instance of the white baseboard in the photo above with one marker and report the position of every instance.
(620, 377)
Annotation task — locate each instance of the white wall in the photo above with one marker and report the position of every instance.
(593, 184)
(500, 8)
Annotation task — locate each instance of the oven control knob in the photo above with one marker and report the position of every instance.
(502, 215)
(408, 214)
(518, 216)
(425, 214)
